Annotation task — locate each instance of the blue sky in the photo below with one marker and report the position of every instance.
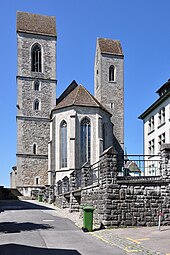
(143, 28)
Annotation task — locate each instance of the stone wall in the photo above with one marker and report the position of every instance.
(130, 201)
(121, 201)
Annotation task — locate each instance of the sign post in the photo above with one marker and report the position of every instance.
(160, 214)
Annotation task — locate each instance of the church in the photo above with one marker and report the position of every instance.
(58, 136)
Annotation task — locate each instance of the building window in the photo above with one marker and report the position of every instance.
(161, 116)
(85, 140)
(111, 73)
(34, 148)
(151, 147)
(151, 124)
(161, 140)
(37, 181)
(104, 136)
(36, 58)
(36, 85)
(36, 105)
(111, 105)
(100, 122)
(63, 143)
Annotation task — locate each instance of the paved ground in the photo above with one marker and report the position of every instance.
(32, 229)
(141, 241)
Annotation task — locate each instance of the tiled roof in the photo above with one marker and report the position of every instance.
(79, 97)
(36, 24)
(110, 46)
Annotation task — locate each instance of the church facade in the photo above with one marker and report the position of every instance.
(57, 136)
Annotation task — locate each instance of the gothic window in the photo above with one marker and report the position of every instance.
(85, 140)
(36, 105)
(34, 148)
(63, 143)
(36, 58)
(111, 73)
(36, 85)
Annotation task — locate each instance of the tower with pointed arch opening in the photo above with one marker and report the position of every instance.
(109, 84)
(36, 97)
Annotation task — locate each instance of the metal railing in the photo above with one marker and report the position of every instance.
(141, 165)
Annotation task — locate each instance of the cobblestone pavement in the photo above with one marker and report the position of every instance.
(136, 240)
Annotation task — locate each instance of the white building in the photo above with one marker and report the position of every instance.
(156, 121)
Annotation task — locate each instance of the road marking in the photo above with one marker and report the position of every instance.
(127, 250)
(101, 238)
(143, 239)
(133, 240)
(48, 220)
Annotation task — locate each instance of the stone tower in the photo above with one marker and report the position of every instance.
(36, 96)
(109, 84)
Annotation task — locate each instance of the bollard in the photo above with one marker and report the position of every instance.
(160, 214)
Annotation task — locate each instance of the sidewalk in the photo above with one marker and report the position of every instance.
(135, 240)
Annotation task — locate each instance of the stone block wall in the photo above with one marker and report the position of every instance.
(123, 201)
(133, 201)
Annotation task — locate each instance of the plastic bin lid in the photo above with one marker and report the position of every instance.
(88, 207)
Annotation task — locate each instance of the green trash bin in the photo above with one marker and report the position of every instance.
(40, 198)
(88, 218)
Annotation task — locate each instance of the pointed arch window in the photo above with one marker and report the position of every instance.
(36, 85)
(63, 143)
(36, 105)
(34, 148)
(36, 65)
(85, 140)
(112, 73)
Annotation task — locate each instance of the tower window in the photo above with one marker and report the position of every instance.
(37, 181)
(36, 85)
(34, 148)
(63, 143)
(36, 106)
(111, 73)
(85, 140)
(36, 58)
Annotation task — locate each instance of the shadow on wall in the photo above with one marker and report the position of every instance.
(14, 227)
(23, 249)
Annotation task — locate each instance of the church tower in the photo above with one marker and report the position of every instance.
(36, 97)
(109, 84)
